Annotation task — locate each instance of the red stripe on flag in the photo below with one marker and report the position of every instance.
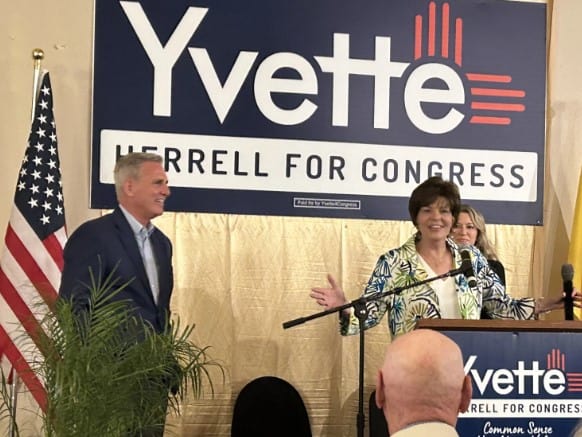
(54, 248)
(23, 369)
(30, 267)
(20, 309)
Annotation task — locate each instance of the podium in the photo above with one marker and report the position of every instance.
(527, 375)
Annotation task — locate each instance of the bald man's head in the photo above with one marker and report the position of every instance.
(422, 379)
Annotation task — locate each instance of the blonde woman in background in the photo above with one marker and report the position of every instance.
(470, 229)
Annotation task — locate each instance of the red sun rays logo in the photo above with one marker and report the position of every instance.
(492, 96)
(557, 360)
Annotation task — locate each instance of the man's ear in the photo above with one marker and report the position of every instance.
(380, 400)
(128, 187)
(466, 394)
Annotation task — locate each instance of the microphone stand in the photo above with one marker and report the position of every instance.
(361, 312)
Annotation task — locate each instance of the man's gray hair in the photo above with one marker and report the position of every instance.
(128, 166)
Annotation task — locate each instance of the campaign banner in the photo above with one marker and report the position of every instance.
(524, 383)
(327, 108)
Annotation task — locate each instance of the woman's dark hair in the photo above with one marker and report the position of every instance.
(427, 192)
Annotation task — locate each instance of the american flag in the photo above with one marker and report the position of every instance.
(32, 259)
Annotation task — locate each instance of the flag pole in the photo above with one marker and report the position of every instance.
(37, 56)
(14, 386)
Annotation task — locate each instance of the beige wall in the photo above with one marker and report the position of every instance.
(63, 29)
(237, 277)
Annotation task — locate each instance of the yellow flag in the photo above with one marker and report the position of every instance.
(575, 249)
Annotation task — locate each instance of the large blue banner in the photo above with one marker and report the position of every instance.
(324, 108)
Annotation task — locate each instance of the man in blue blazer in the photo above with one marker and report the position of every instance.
(126, 245)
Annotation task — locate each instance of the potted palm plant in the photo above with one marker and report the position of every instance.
(99, 383)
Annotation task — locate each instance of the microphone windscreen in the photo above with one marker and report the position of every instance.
(567, 272)
(466, 258)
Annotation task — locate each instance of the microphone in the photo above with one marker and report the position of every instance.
(567, 276)
(467, 268)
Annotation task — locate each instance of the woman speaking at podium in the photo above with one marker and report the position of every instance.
(434, 207)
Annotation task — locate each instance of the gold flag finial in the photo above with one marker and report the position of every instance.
(37, 54)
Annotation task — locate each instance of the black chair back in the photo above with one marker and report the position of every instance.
(270, 407)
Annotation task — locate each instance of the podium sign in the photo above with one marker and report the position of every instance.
(527, 376)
